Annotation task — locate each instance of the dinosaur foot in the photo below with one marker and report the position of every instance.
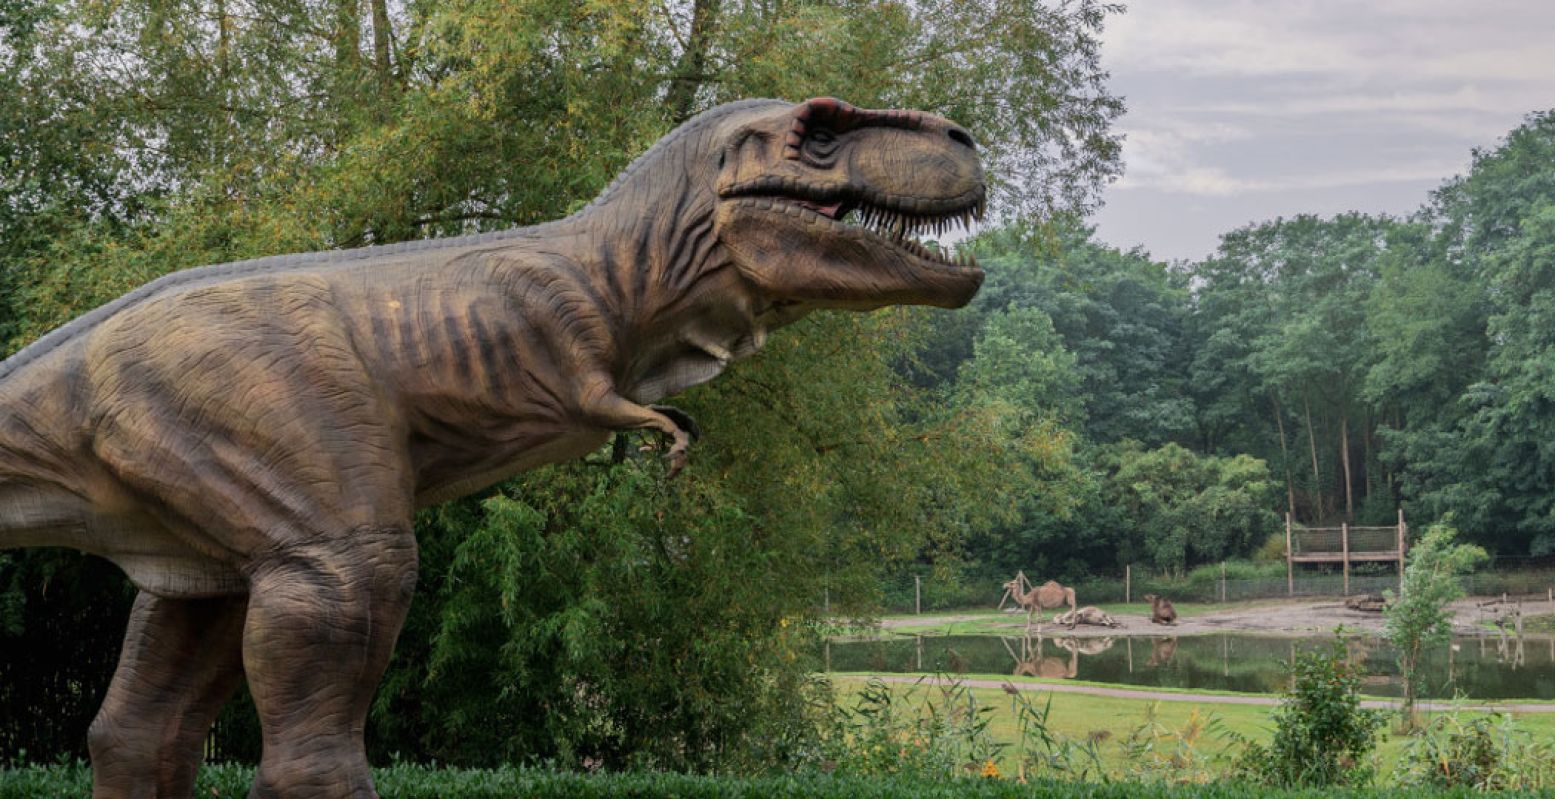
(687, 431)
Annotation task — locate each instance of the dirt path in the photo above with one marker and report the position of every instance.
(1287, 617)
(1224, 699)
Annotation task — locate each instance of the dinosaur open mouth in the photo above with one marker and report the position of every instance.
(901, 229)
(891, 222)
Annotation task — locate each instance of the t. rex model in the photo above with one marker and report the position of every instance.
(248, 441)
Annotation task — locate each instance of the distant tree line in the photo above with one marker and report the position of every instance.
(1333, 368)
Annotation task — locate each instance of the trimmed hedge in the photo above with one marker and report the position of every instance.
(423, 782)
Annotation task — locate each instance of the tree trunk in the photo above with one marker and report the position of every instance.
(1290, 482)
(382, 34)
(1344, 459)
(1317, 479)
(1366, 458)
(689, 75)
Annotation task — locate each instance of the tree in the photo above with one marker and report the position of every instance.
(1417, 616)
(1483, 456)
(1183, 509)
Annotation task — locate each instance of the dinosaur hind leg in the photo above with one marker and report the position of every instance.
(181, 662)
(322, 620)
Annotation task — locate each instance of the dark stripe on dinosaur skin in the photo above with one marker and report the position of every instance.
(491, 366)
(689, 252)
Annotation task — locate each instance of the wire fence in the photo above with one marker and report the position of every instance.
(923, 593)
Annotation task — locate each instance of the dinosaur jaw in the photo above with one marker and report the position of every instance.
(856, 252)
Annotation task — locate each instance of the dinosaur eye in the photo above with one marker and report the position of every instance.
(820, 144)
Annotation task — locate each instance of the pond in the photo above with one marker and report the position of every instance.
(1476, 667)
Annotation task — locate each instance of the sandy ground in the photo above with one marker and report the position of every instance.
(1300, 617)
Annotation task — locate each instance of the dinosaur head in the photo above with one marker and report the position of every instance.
(819, 204)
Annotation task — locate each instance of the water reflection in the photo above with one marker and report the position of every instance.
(1489, 667)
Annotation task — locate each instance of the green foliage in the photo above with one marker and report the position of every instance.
(890, 732)
(1322, 736)
(1416, 616)
(1159, 753)
(1479, 752)
(1184, 509)
(424, 782)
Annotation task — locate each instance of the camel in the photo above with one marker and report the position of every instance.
(1039, 598)
(1032, 663)
(1161, 610)
(1090, 614)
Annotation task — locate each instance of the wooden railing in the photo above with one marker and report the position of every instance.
(1344, 544)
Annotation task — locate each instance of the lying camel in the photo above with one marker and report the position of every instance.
(1090, 614)
(1161, 610)
(1047, 595)
(1086, 645)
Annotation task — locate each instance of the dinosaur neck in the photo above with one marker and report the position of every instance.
(677, 312)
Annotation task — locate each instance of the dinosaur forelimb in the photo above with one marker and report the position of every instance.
(607, 409)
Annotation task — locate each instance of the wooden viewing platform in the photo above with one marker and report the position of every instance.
(1344, 544)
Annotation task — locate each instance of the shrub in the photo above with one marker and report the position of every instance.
(892, 732)
(1157, 752)
(1321, 733)
(1482, 752)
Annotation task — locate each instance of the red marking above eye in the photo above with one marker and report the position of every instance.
(841, 117)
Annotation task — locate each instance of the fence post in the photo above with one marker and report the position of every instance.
(1128, 585)
(1222, 581)
(1344, 538)
(1290, 563)
(917, 594)
(826, 601)
(1403, 530)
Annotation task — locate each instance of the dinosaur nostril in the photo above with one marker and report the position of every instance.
(962, 137)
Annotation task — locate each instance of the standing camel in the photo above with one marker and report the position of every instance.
(1039, 598)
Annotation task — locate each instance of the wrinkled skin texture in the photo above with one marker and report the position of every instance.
(249, 441)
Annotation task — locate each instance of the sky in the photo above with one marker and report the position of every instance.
(1241, 111)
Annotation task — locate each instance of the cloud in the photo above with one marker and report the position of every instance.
(1243, 98)
(1212, 181)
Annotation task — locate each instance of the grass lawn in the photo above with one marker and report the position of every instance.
(1111, 720)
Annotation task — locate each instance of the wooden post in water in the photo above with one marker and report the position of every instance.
(1344, 538)
(1290, 564)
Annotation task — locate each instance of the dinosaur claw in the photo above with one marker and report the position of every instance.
(681, 419)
